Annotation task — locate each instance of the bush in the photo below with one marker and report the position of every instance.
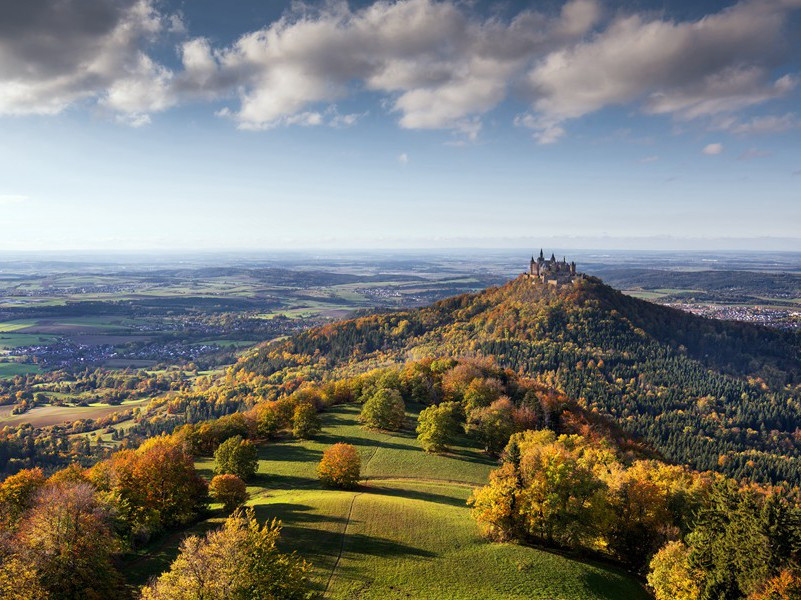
(305, 421)
(237, 457)
(230, 490)
(438, 425)
(340, 466)
(384, 410)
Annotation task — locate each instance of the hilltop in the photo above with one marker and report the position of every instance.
(711, 394)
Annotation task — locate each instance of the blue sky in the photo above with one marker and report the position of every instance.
(211, 125)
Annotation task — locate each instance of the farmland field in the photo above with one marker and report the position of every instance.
(406, 532)
(44, 416)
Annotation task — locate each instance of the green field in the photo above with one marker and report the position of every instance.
(13, 369)
(405, 533)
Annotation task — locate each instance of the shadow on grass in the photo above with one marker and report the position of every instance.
(614, 585)
(288, 452)
(360, 441)
(292, 514)
(379, 490)
(283, 482)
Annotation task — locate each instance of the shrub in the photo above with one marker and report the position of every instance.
(437, 425)
(305, 421)
(230, 490)
(237, 457)
(340, 466)
(384, 410)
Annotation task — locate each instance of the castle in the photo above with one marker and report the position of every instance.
(552, 271)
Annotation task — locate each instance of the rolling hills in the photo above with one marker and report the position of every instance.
(711, 394)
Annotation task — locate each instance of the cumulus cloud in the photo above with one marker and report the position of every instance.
(54, 54)
(440, 66)
(717, 64)
(435, 64)
(713, 149)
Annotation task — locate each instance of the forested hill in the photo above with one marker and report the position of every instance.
(712, 394)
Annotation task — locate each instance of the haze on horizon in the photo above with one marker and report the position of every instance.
(173, 125)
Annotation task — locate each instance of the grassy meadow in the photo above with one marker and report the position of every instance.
(406, 532)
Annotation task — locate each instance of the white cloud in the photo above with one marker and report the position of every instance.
(712, 149)
(436, 64)
(649, 159)
(717, 64)
(766, 124)
(54, 54)
(403, 158)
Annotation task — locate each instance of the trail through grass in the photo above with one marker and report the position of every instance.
(405, 533)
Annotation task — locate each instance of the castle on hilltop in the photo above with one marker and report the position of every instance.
(551, 271)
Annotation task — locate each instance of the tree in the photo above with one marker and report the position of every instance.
(152, 487)
(230, 490)
(17, 494)
(270, 419)
(305, 421)
(238, 457)
(438, 425)
(66, 537)
(19, 580)
(671, 577)
(493, 424)
(340, 466)
(729, 545)
(494, 504)
(239, 561)
(384, 410)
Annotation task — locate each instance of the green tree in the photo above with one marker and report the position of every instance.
(493, 424)
(239, 561)
(438, 425)
(729, 545)
(384, 410)
(238, 457)
(305, 421)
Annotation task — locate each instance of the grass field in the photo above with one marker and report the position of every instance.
(14, 369)
(405, 533)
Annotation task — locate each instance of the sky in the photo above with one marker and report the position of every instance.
(263, 124)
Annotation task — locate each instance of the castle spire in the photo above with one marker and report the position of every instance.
(542, 256)
(553, 257)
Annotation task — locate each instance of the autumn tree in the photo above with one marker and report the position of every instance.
(17, 493)
(238, 457)
(230, 490)
(340, 466)
(67, 538)
(438, 425)
(305, 421)
(494, 505)
(671, 577)
(239, 561)
(152, 487)
(384, 410)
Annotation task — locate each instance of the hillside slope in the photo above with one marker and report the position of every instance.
(708, 393)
